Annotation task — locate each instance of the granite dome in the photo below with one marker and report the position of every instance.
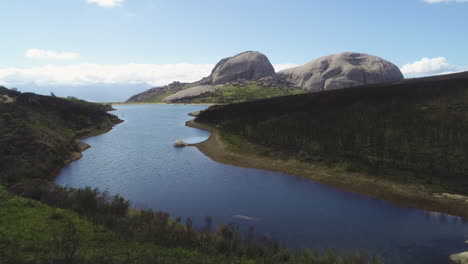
(249, 65)
(341, 71)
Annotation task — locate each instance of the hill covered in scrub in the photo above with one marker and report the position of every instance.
(41, 222)
(250, 76)
(244, 77)
(39, 133)
(409, 131)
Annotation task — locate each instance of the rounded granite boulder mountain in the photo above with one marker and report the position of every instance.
(342, 71)
(249, 65)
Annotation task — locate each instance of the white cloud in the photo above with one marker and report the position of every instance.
(431, 66)
(49, 54)
(445, 1)
(106, 3)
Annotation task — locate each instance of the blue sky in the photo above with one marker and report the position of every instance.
(83, 45)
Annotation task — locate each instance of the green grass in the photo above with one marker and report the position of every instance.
(32, 232)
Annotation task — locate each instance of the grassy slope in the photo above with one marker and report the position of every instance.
(32, 232)
(413, 131)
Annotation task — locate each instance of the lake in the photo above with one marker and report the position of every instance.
(136, 160)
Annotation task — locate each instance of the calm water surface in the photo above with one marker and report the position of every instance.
(136, 159)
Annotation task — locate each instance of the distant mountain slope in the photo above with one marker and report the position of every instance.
(415, 130)
(157, 94)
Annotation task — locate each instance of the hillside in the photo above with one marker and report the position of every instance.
(413, 131)
(39, 134)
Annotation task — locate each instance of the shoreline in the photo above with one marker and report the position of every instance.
(402, 194)
(77, 155)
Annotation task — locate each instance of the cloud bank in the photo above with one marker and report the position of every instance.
(106, 3)
(431, 66)
(86, 74)
(97, 82)
(50, 54)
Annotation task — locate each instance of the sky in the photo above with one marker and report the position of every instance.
(108, 50)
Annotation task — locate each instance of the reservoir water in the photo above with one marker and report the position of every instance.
(136, 160)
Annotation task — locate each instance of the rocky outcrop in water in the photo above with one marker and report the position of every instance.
(460, 258)
(342, 71)
(179, 144)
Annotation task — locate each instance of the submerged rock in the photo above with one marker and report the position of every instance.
(342, 71)
(460, 258)
(179, 144)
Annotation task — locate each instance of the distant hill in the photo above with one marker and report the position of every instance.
(250, 76)
(416, 129)
(244, 77)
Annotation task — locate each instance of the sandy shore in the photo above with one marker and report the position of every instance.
(408, 195)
